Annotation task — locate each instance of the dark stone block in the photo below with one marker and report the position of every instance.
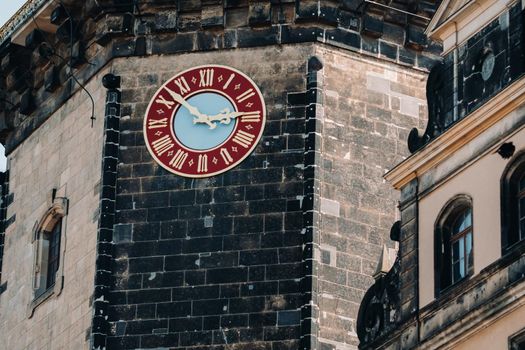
(151, 200)
(248, 304)
(27, 103)
(258, 257)
(259, 288)
(227, 275)
(201, 245)
(234, 321)
(163, 214)
(307, 10)
(145, 326)
(181, 262)
(259, 13)
(149, 296)
(282, 333)
(166, 21)
(164, 279)
(407, 56)
(196, 293)
(267, 206)
(212, 18)
(415, 38)
(250, 224)
(34, 38)
(353, 5)
(247, 37)
(372, 26)
(182, 42)
(159, 340)
(186, 324)
(387, 50)
(175, 309)
(146, 264)
(123, 342)
(209, 41)
(146, 231)
(284, 271)
(68, 31)
(341, 37)
(288, 317)
(196, 338)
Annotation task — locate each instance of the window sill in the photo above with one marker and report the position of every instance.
(516, 249)
(39, 300)
(442, 294)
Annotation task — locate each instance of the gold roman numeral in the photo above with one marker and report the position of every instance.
(165, 102)
(178, 159)
(226, 156)
(251, 117)
(162, 145)
(157, 123)
(183, 85)
(206, 77)
(245, 95)
(228, 81)
(202, 164)
(243, 138)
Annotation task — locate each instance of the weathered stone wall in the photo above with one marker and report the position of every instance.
(369, 108)
(64, 153)
(211, 261)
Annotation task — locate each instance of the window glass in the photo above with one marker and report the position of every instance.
(455, 261)
(54, 254)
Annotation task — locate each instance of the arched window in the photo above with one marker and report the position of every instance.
(48, 252)
(513, 203)
(454, 258)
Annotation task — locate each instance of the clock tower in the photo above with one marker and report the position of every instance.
(238, 148)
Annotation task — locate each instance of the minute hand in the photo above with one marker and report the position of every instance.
(178, 98)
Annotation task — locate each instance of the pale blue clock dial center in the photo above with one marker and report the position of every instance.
(200, 136)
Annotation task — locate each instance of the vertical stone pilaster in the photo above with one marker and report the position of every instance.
(4, 183)
(311, 214)
(408, 251)
(104, 255)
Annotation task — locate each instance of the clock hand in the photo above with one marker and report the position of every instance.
(201, 118)
(224, 117)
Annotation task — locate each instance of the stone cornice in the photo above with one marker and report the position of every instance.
(29, 9)
(461, 133)
(39, 73)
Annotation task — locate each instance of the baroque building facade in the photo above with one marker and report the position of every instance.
(102, 246)
(458, 281)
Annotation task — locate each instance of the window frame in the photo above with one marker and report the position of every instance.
(511, 237)
(444, 240)
(43, 286)
(517, 340)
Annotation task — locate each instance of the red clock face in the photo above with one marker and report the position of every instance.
(204, 121)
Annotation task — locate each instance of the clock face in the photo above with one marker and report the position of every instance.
(204, 121)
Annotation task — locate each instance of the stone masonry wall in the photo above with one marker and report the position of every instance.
(65, 152)
(369, 108)
(206, 263)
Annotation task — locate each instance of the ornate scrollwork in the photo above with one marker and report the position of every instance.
(379, 308)
(435, 100)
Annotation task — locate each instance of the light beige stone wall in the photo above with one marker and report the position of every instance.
(369, 108)
(481, 181)
(495, 336)
(65, 152)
